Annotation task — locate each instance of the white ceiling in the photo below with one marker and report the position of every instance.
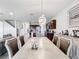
(30, 10)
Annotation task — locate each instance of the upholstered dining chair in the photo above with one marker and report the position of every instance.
(20, 41)
(65, 45)
(55, 39)
(12, 47)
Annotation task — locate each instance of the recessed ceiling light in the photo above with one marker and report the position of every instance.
(11, 13)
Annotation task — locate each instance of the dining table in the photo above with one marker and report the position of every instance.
(45, 50)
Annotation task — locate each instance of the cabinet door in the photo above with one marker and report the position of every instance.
(51, 24)
(2, 48)
(54, 24)
(50, 36)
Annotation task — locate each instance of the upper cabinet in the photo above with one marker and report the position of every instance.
(74, 16)
(51, 24)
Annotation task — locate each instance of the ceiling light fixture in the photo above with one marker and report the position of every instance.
(41, 7)
(11, 13)
(42, 19)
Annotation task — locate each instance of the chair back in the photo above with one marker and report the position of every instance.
(55, 39)
(65, 45)
(11, 46)
(21, 41)
(21, 38)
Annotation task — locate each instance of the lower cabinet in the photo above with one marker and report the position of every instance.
(2, 48)
(50, 36)
(75, 52)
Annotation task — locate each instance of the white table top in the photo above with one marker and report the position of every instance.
(46, 50)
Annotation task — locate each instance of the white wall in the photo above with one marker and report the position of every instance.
(1, 29)
(26, 28)
(8, 29)
(63, 18)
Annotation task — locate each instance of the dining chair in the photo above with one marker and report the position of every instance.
(65, 45)
(12, 47)
(20, 41)
(55, 39)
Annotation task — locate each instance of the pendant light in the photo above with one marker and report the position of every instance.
(42, 19)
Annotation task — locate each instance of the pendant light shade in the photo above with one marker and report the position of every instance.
(42, 20)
